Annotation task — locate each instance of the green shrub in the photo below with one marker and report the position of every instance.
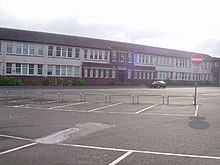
(46, 82)
(8, 81)
(69, 82)
(19, 82)
(204, 83)
(79, 82)
(60, 81)
(33, 82)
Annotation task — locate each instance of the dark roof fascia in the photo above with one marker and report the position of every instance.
(51, 38)
(75, 41)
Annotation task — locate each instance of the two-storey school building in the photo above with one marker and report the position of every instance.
(35, 55)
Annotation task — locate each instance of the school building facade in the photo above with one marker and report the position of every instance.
(30, 55)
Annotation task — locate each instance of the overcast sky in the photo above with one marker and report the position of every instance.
(189, 25)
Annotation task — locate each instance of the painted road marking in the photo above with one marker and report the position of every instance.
(68, 105)
(142, 110)
(86, 111)
(94, 147)
(144, 152)
(197, 110)
(121, 158)
(15, 101)
(27, 105)
(14, 137)
(18, 148)
(128, 152)
(112, 105)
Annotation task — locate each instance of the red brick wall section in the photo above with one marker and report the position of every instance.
(27, 80)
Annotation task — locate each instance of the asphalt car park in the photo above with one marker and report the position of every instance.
(109, 126)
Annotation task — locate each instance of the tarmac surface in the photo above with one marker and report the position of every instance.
(109, 125)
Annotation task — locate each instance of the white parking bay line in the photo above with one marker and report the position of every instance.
(107, 106)
(18, 148)
(142, 110)
(121, 158)
(128, 152)
(14, 137)
(68, 105)
(15, 101)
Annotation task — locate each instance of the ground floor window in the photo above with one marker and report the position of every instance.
(39, 69)
(8, 68)
(129, 74)
(49, 70)
(99, 73)
(106, 73)
(165, 75)
(91, 73)
(102, 73)
(113, 73)
(96, 73)
(63, 70)
(25, 69)
(135, 74)
(85, 72)
(76, 71)
(145, 75)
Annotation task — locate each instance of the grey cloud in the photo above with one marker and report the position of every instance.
(73, 26)
(143, 33)
(211, 47)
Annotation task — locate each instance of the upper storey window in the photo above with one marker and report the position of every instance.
(106, 55)
(50, 50)
(95, 54)
(20, 48)
(129, 58)
(63, 51)
(25, 48)
(9, 47)
(113, 56)
(77, 52)
(40, 49)
(122, 57)
(182, 62)
(58, 51)
(85, 53)
(70, 52)
(144, 59)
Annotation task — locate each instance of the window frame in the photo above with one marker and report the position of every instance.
(85, 56)
(77, 53)
(69, 52)
(113, 73)
(9, 68)
(30, 69)
(50, 51)
(40, 50)
(114, 56)
(129, 58)
(76, 71)
(58, 51)
(49, 70)
(19, 48)
(40, 69)
(18, 68)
